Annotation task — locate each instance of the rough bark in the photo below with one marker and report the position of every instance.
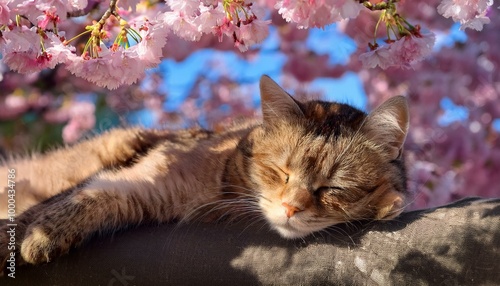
(457, 244)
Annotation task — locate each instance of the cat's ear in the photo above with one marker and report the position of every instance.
(388, 125)
(277, 104)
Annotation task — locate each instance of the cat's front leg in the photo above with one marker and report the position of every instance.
(114, 199)
(153, 189)
(61, 223)
(11, 236)
(65, 224)
(51, 228)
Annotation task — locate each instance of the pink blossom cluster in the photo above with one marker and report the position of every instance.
(131, 35)
(469, 13)
(241, 21)
(403, 52)
(117, 66)
(29, 48)
(37, 41)
(21, 55)
(314, 13)
(45, 13)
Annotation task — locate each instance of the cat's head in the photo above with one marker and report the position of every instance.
(315, 164)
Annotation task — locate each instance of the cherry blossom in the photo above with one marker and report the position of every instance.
(82, 119)
(22, 56)
(117, 66)
(402, 53)
(469, 13)
(317, 13)
(182, 25)
(49, 20)
(34, 9)
(254, 32)
(382, 56)
(4, 12)
(209, 18)
(112, 69)
(153, 39)
(412, 48)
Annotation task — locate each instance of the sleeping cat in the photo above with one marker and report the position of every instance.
(305, 167)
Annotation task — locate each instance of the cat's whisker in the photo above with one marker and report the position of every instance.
(240, 209)
(258, 220)
(212, 208)
(333, 232)
(221, 204)
(244, 214)
(214, 198)
(303, 239)
(325, 233)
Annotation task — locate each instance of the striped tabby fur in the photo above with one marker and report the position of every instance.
(307, 166)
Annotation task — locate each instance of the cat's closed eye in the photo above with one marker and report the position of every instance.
(330, 190)
(338, 195)
(283, 175)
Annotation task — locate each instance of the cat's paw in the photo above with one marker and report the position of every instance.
(43, 243)
(37, 247)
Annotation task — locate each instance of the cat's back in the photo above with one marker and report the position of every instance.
(193, 154)
(221, 137)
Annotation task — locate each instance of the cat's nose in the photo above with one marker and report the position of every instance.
(290, 210)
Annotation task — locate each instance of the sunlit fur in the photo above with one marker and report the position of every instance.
(336, 173)
(305, 167)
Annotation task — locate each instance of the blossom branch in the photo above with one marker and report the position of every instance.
(242, 21)
(111, 11)
(372, 7)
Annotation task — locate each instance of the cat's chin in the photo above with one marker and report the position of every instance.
(290, 228)
(289, 232)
